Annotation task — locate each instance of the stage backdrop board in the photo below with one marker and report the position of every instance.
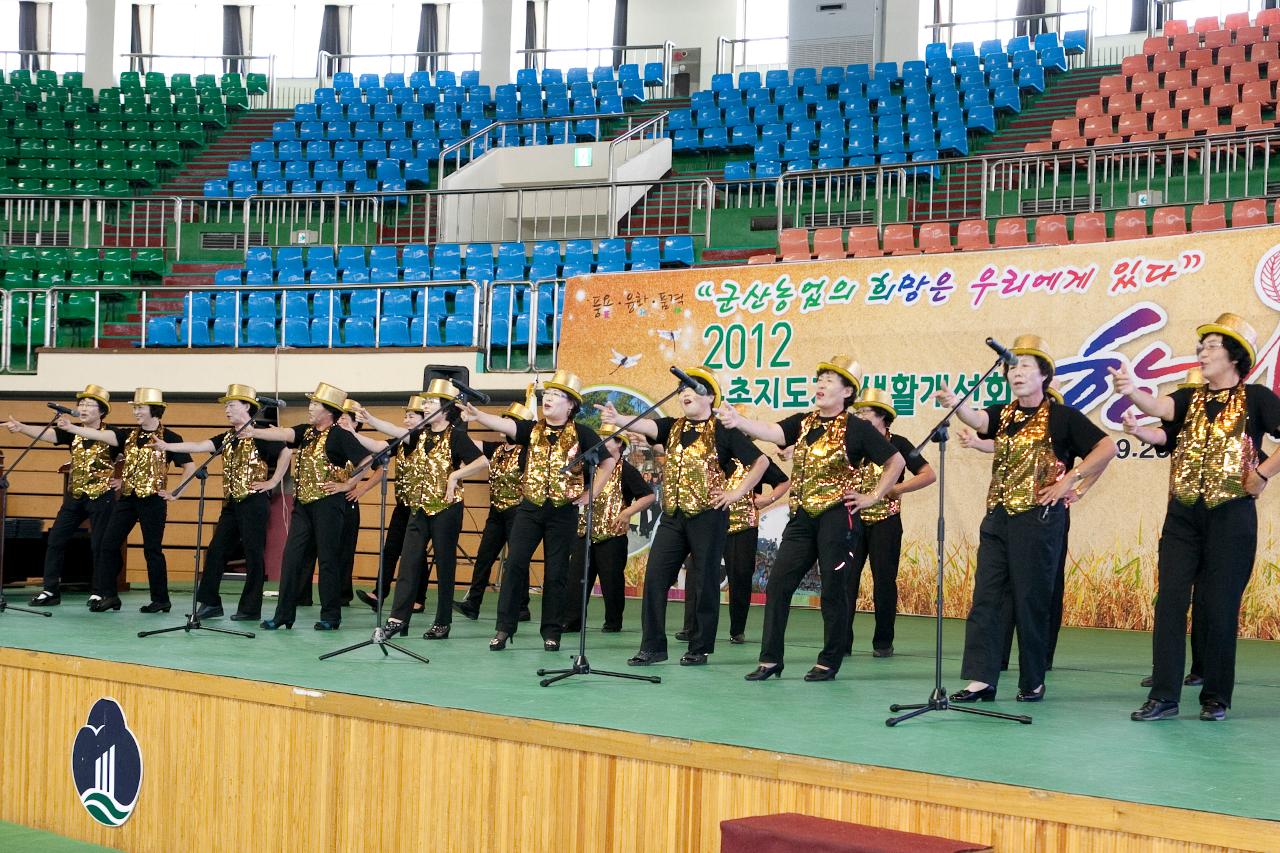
(917, 323)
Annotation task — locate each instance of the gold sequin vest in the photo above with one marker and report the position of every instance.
(1024, 463)
(691, 474)
(144, 466)
(542, 479)
(504, 477)
(869, 477)
(743, 514)
(821, 472)
(1211, 458)
(91, 468)
(312, 468)
(437, 466)
(242, 466)
(605, 509)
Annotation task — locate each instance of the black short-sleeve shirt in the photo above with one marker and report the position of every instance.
(773, 477)
(862, 441)
(634, 486)
(1071, 433)
(915, 461)
(731, 444)
(340, 446)
(168, 436)
(1262, 413)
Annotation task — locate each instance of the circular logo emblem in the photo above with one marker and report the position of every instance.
(1266, 278)
(106, 765)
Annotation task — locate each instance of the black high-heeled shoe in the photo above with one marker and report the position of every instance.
(156, 607)
(499, 641)
(437, 632)
(394, 628)
(764, 671)
(986, 694)
(273, 624)
(551, 645)
(102, 605)
(326, 625)
(1031, 695)
(817, 673)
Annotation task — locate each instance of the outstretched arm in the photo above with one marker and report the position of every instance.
(763, 430)
(37, 433)
(497, 423)
(610, 416)
(1149, 404)
(106, 436)
(975, 418)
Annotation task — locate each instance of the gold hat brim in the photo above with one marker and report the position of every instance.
(572, 392)
(1034, 351)
(518, 412)
(334, 402)
(824, 366)
(876, 404)
(244, 398)
(1228, 332)
(106, 406)
(712, 383)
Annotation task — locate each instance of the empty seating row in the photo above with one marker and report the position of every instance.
(170, 331)
(1149, 127)
(27, 265)
(653, 75)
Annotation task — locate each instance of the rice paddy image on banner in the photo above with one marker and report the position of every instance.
(918, 323)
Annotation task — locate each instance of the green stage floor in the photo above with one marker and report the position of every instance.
(24, 838)
(1081, 742)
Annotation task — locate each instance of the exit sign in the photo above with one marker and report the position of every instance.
(582, 156)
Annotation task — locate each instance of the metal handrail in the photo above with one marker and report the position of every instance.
(658, 126)
(614, 51)
(534, 289)
(1044, 17)
(92, 213)
(326, 61)
(725, 47)
(23, 54)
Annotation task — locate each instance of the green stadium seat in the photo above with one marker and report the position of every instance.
(86, 186)
(130, 80)
(73, 79)
(47, 79)
(116, 188)
(117, 260)
(154, 80)
(256, 83)
(206, 81)
(148, 262)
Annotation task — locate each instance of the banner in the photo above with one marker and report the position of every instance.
(918, 323)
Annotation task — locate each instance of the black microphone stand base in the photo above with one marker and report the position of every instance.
(193, 624)
(938, 701)
(379, 639)
(5, 605)
(580, 666)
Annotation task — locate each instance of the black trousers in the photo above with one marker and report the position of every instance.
(392, 548)
(679, 536)
(1017, 561)
(881, 543)
(555, 527)
(829, 540)
(496, 534)
(609, 564)
(1055, 612)
(246, 521)
(350, 533)
(441, 530)
(150, 514)
(70, 516)
(739, 567)
(315, 532)
(1211, 550)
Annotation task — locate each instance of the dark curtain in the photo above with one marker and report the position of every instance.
(1031, 29)
(331, 38)
(232, 38)
(619, 30)
(1138, 20)
(530, 33)
(27, 34)
(428, 36)
(135, 35)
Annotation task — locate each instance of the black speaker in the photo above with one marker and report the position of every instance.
(445, 371)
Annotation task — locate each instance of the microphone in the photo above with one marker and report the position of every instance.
(61, 409)
(272, 401)
(465, 390)
(689, 382)
(1007, 357)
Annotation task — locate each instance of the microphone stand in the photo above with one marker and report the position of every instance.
(938, 700)
(380, 637)
(589, 459)
(193, 623)
(4, 516)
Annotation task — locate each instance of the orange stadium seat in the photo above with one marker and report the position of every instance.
(1136, 64)
(1184, 42)
(1197, 58)
(1037, 147)
(1144, 138)
(1188, 98)
(762, 259)
(793, 245)
(864, 241)
(1112, 84)
(1209, 217)
(1162, 63)
(1249, 212)
(1267, 18)
(1236, 21)
(1130, 224)
(1050, 230)
(1166, 121)
(1249, 36)
(1089, 106)
(1064, 128)
(1261, 92)
(828, 244)
(935, 238)
(1169, 221)
(1211, 75)
(1132, 123)
(1243, 72)
(1202, 118)
(1265, 51)
(1182, 78)
(1011, 232)
(1207, 24)
(1176, 28)
(1152, 101)
(1089, 228)
(1155, 44)
(1148, 81)
(900, 239)
(1121, 103)
(1231, 54)
(973, 234)
(1217, 39)
(1096, 126)
(1224, 96)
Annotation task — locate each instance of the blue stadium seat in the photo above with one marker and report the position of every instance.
(260, 332)
(612, 256)
(1075, 42)
(511, 262)
(394, 332)
(677, 251)
(480, 261)
(446, 262)
(644, 253)
(546, 260)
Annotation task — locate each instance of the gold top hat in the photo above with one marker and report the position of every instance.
(1194, 379)
(518, 412)
(1233, 326)
(350, 406)
(147, 397)
(329, 396)
(244, 393)
(712, 382)
(846, 367)
(441, 388)
(621, 436)
(1031, 345)
(416, 404)
(97, 392)
(877, 398)
(565, 381)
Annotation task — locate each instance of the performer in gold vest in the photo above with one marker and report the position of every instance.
(506, 467)
(431, 469)
(1036, 442)
(881, 541)
(89, 493)
(625, 494)
(549, 504)
(323, 459)
(1210, 531)
(696, 498)
(143, 500)
(251, 468)
(831, 446)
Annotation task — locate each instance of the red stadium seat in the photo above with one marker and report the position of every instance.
(1130, 124)
(1148, 81)
(1089, 228)
(1243, 72)
(1169, 222)
(828, 244)
(1112, 84)
(1073, 143)
(1236, 21)
(1176, 28)
(973, 234)
(1096, 126)
(1089, 106)
(1064, 128)
(1180, 79)
(1123, 102)
(1162, 63)
(793, 245)
(1224, 96)
(1202, 118)
(1267, 18)
(1155, 44)
(1261, 92)
(1197, 58)
(1211, 75)
(1050, 230)
(935, 238)
(1246, 115)
(1155, 101)
(762, 259)
(1231, 55)
(1184, 42)
(900, 239)
(1137, 64)
(1130, 225)
(1249, 36)
(1166, 121)
(864, 241)
(1011, 232)
(1217, 39)
(1037, 147)
(1208, 217)
(1143, 138)
(1266, 51)
(1207, 24)
(1250, 211)
(1188, 98)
